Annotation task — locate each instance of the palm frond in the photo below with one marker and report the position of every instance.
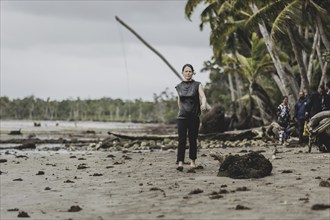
(266, 14)
(323, 9)
(191, 6)
(291, 15)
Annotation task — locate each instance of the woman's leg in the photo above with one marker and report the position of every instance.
(193, 135)
(182, 134)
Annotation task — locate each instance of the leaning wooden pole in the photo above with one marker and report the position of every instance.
(150, 47)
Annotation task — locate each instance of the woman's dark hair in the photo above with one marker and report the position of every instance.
(188, 65)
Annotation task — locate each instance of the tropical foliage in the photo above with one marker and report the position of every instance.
(270, 49)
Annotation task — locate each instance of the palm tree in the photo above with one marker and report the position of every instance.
(288, 20)
(227, 21)
(258, 63)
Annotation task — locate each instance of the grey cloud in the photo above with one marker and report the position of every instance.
(76, 48)
(74, 22)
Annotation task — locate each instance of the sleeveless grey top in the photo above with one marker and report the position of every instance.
(189, 99)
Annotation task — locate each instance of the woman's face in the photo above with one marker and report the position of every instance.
(285, 100)
(187, 73)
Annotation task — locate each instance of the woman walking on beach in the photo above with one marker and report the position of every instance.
(191, 101)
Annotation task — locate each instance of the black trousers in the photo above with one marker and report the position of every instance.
(300, 126)
(187, 127)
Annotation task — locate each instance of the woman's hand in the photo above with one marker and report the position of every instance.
(203, 107)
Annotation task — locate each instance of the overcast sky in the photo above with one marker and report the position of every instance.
(69, 49)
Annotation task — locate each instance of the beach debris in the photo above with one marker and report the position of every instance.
(251, 165)
(27, 145)
(324, 183)
(196, 191)
(158, 189)
(215, 195)
(179, 168)
(218, 156)
(108, 167)
(74, 208)
(111, 156)
(23, 214)
(223, 191)
(306, 200)
(97, 174)
(320, 207)
(68, 181)
(3, 160)
(40, 173)
(82, 166)
(126, 157)
(47, 188)
(51, 164)
(82, 158)
(15, 132)
(191, 170)
(37, 124)
(21, 156)
(90, 132)
(73, 156)
(18, 179)
(13, 210)
(242, 189)
(241, 207)
(199, 167)
(287, 171)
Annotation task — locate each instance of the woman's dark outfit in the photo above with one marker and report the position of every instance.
(188, 118)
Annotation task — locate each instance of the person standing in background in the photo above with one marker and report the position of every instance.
(191, 101)
(325, 99)
(300, 115)
(313, 104)
(283, 119)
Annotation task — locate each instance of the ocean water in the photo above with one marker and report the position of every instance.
(47, 129)
(9, 125)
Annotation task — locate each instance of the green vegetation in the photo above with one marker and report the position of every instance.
(162, 109)
(264, 50)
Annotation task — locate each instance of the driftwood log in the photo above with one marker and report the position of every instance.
(319, 131)
(226, 136)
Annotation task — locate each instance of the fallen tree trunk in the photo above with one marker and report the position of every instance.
(47, 141)
(226, 136)
(143, 136)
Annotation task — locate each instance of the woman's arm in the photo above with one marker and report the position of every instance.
(202, 98)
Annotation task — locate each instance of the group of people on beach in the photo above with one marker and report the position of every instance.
(304, 109)
(192, 101)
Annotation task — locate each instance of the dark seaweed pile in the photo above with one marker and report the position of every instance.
(252, 165)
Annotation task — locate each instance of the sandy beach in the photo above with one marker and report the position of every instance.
(135, 184)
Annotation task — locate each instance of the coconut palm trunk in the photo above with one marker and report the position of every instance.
(302, 69)
(285, 82)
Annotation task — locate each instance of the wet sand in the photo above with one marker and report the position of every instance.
(146, 185)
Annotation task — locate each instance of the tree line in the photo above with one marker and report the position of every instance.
(162, 109)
